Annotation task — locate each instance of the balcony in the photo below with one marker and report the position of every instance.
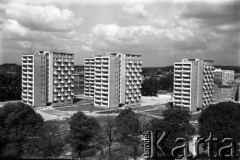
(29, 58)
(185, 101)
(186, 75)
(105, 91)
(177, 83)
(178, 79)
(177, 70)
(178, 66)
(186, 71)
(187, 66)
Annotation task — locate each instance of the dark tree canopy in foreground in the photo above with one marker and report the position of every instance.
(223, 119)
(176, 123)
(129, 129)
(18, 124)
(82, 131)
(48, 142)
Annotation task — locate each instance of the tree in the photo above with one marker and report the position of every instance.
(82, 131)
(108, 134)
(150, 87)
(166, 82)
(176, 123)
(222, 119)
(10, 87)
(48, 143)
(18, 124)
(129, 129)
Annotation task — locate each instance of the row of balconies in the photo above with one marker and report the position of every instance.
(27, 58)
(181, 100)
(182, 84)
(27, 62)
(181, 88)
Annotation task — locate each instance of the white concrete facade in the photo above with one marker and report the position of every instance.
(113, 80)
(50, 78)
(193, 83)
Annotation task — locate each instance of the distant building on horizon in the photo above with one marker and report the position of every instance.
(226, 92)
(193, 83)
(223, 77)
(47, 78)
(113, 80)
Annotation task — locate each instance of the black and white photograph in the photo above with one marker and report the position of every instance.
(120, 79)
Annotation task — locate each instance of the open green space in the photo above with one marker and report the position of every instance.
(54, 112)
(155, 112)
(143, 108)
(80, 108)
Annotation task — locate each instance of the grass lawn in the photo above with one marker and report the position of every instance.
(143, 108)
(79, 108)
(154, 112)
(53, 112)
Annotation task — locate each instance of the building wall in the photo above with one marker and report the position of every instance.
(217, 77)
(114, 82)
(89, 74)
(78, 83)
(124, 78)
(39, 84)
(226, 92)
(27, 79)
(227, 76)
(216, 92)
(62, 78)
(132, 80)
(194, 86)
(52, 78)
(193, 82)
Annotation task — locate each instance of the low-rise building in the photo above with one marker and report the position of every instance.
(226, 92)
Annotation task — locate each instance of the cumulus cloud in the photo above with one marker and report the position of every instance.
(158, 30)
(44, 18)
(136, 10)
(129, 33)
(12, 26)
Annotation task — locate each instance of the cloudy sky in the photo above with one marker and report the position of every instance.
(162, 31)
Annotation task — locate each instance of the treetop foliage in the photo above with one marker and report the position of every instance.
(127, 122)
(82, 131)
(222, 119)
(18, 124)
